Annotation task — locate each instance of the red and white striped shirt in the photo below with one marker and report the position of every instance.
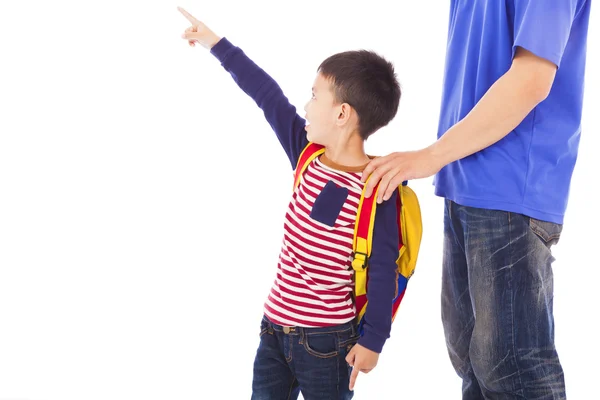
(314, 284)
(314, 280)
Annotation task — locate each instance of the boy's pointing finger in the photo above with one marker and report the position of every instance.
(188, 16)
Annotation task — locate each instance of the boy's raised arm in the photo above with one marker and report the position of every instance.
(256, 83)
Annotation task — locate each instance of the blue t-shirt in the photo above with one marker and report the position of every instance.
(528, 171)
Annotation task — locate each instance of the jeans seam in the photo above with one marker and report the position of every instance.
(291, 344)
(291, 388)
(337, 364)
(512, 308)
(453, 229)
(328, 332)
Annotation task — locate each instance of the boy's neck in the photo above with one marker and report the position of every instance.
(349, 154)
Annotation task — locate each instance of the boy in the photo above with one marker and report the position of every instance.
(309, 340)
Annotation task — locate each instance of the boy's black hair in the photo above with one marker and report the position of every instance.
(368, 83)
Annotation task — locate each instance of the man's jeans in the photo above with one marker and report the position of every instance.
(497, 295)
(311, 360)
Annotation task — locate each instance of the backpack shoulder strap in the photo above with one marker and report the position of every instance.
(310, 152)
(361, 247)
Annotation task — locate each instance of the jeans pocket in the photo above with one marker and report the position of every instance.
(347, 341)
(548, 232)
(322, 345)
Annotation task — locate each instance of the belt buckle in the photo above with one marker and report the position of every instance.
(288, 329)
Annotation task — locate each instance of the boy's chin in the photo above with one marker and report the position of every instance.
(311, 138)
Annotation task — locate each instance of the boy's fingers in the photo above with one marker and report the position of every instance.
(350, 358)
(353, 378)
(190, 35)
(188, 16)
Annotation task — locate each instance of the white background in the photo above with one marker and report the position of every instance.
(135, 249)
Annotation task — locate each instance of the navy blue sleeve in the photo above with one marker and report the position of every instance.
(377, 320)
(256, 83)
(543, 27)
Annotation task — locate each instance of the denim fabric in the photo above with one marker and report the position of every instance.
(497, 293)
(308, 360)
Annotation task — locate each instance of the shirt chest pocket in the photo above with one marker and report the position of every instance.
(329, 204)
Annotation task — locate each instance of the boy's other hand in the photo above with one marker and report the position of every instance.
(198, 32)
(361, 359)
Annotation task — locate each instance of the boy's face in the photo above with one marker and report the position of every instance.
(322, 112)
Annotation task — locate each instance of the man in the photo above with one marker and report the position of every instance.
(507, 143)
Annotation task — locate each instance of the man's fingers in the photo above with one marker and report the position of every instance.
(393, 185)
(376, 164)
(188, 16)
(384, 185)
(371, 166)
(353, 376)
(375, 178)
(379, 168)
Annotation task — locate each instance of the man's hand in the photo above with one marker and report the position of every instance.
(396, 168)
(198, 32)
(360, 359)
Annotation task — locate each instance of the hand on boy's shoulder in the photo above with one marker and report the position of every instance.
(393, 169)
(198, 32)
(362, 360)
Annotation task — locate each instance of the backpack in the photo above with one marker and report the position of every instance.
(410, 228)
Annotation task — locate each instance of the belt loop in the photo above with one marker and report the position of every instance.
(270, 327)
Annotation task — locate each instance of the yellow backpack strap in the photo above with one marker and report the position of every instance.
(411, 230)
(362, 243)
(310, 152)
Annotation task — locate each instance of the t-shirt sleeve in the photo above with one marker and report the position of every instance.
(543, 27)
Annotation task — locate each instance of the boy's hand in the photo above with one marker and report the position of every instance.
(361, 359)
(198, 32)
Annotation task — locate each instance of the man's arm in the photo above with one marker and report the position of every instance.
(541, 32)
(508, 101)
(256, 83)
(500, 110)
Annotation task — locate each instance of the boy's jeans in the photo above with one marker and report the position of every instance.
(497, 292)
(311, 360)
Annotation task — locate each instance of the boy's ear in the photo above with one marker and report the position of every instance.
(345, 113)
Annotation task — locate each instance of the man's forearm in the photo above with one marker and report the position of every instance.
(499, 111)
